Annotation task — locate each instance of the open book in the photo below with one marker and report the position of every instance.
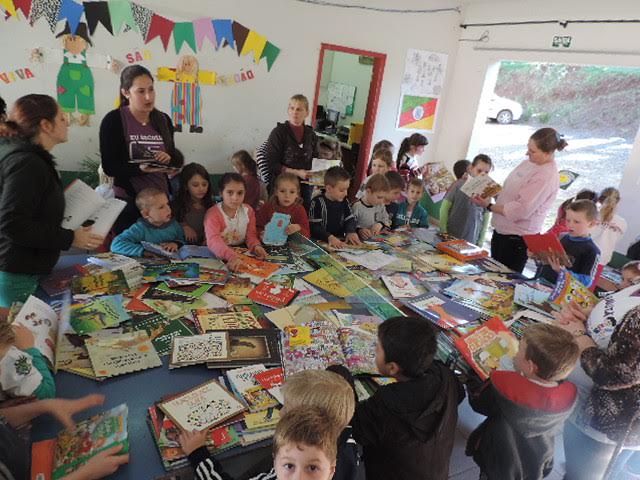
(184, 252)
(319, 167)
(546, 245)
(85, 208)
(482, 185)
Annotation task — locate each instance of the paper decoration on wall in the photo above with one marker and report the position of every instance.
(142, 16)
(254, 43)
(9, 7)
(240, 34)
(203, 28)
(341, 97)
(18, 74)
(138, 56)
(417, 113)
(183, 32)
(45, 8)
(98, 12)
(24, 6)
(71, 12)
(224, 33)
(270, 52)
(121, 14)
(160, 27)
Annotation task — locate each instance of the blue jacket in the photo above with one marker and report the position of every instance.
(129, 242)
(419, 216)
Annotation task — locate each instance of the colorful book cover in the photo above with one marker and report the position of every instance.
(487, 347)
(272, 294)
(157, 273)
(568, 288)
(462, 250)
(154, 292)
(42, 457)
(265, 419)
(323, 351)
(235, 291)
(192, 291)
(437, 180)
(257, 268)
(247, 347)
(58, 281)
(292, 315)
(447, 264)
(532, 298)
(272, 380)
(98, 313)
(211, 319)
(400, 265)
(242, 381)
(274, 231)
(358, 343)
(400, 286)
(546, 245)
(162, 331)
(279, 254)
(113, 355)
(323, 279)
(90, 437)
(174, 310)
(482, 186)
(442, 311)
(203, 348)
(106, 283)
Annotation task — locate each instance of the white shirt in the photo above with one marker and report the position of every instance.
(606, 236)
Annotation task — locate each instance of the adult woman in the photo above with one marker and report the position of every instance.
(137, 132)
(32, 198)
(526, 196)
(292, 146)
(407, 163)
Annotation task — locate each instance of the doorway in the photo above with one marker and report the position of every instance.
(345, 104)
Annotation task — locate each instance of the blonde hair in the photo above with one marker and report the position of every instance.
(181, 67)
(321, 388)
(300, 98)
(285, 177)
(144, 199)
(553, 350)
(609, 198)
(7, 335)
(310, 426)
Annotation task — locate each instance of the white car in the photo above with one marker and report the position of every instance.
(503, 110)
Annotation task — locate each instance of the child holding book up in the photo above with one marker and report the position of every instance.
(286, 199)
(154, 226)
(410, 213)
(232, 222)
(193, 200)
(370, 211)
(247, 167)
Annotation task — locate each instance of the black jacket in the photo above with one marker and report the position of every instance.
(31, 209)
(283, 150)
(407, 429)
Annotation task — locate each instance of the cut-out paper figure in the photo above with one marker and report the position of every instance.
(186, 98)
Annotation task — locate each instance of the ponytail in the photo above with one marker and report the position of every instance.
(404, 148)
(415, 140)
(610, 197)
(549, 140)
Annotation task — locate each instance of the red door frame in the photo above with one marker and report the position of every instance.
(372, 103)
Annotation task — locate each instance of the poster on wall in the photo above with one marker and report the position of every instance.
(417, 113)
(341, 98)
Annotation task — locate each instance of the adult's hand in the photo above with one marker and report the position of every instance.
(85, 239)
(162, 157)
(64, 409)
(482, 202)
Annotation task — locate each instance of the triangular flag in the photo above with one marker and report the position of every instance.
(121, 14)
(203, 28)
(97, 12)
(9, 7)
(254, 43)
(270, 52)
(224, 32)
(183, 32)
(160, 27)
(240, 34)
(24, 5)
(71, 12)
(142, 16)
(45, 8)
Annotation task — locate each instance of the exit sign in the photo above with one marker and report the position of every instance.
(561, 41)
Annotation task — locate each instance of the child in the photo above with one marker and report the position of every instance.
(525, 409)
(23, 369)
(610, 226)
(407, 428)
(560, 225)
(232, 222)
(459, 215)
(460, 168)
(286, 199)
(577, 243)
(394, 195)
(630, 274)
(304, 446)
(255, 192)
(410, 213)
(382, 145)
(330, 215)
(370, 212)
(381, 163)
(329, 150)
(407, 163)
(155, 226)
(193, 200)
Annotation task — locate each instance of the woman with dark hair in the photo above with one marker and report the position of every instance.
(133, 134)
(525, 199)
(32, 198)
(406, 163)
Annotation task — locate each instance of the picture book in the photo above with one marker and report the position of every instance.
(86, 208)
(162, 330)
(257, 268)
(292, 315)
(201, 348)
(489, 264)
(323, 279)
(372, 260)
(213, 319)
(272, 380)
(235, 291)
(272, 294)
(266, 419)
(113, 355)
(173, 309)
(58, 281)
(447, 264)
(193, 291)
(72, 353)
(97, 313)
(212, 276)
(76, 446)
(323, 350)
(537, 300)
(274, 231)
(442, 311)
(184, 252)
(106, 283)
(400, 265)
(279, 254)
(400, 286)
(201, 407)
(483, 297)
(304, 289)
(358, 342)
(482, 186)
(243, 382)
(437, 180)
(248, 347)
(568, 288)
(43, 322)
(156, 293)
(544, 246)
(168, 271)
(488, 347)
(462, 250)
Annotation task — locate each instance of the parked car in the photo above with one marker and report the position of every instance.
(503, 110)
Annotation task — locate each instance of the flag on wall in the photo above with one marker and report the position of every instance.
(160, 27)
(71, 12)
(417, 113)
(183, 33)
(97, 12)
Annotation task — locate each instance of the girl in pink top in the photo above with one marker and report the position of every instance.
(231, 223)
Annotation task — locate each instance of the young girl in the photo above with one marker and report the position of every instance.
(245, 166)
(407, 163)
(611, 226)
(381, 163)
(560, 226)
(287, 200)
(232, 222)
(193, 200)
(630, 274)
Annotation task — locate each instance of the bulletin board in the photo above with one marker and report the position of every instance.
(341, 97)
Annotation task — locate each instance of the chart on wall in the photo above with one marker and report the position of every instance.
(422, 83)
(341, 98)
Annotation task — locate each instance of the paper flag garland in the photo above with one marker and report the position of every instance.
(203, 28)
(224, 31)
(240, 34)
(142, 16)
(121, 14)
(24, 6)
(45, 8)
(9, 7)
(160, 27)
(97, 12)
(255, 43)
(71, 12)
(270, 52)
(183, 32)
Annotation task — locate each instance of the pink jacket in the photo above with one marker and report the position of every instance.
(215, 225)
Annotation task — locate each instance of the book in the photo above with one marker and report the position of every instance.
(168, 271)
(86, 208)
(162, 330)
(323, 279)
(76, 446)
(248, 347)
(274, 231)
(442, 311)
(323, 350)
(263, 420)
(201, 407)
(358, 342)
(113, 355)
(58, 281)
(235, 291)
(195, 290)
(272, 380)
(292, 315)
(184, 252)
(546, 245)
(482, 296)
(437, 180)
(569, 289)
(174, 309)
(447, 264)
(257, 268)
(400, 286)
(243, 382)
(462, 250)
(272, 294)
(319, 167)
(131, 268)
(487, 347)
(279, 254)
(537, 300)
(482, 186)
(212, 319)
(97, 313)
(43, 322)
(42, 457)
(372, 260)
(201, 348)
(106, 283)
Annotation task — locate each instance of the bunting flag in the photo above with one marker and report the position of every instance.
(121, 14)
(183, 32)
(254, 43)
(142, 16)
(24, 6)
(224, 32)
(97, 12)
(270, 52)
(71, 12)
(9, 7)
(160, 27)
(203, 28)
(45, 8)
(240, 34)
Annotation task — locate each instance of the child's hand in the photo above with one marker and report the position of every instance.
(191, 441)
(170, 246)
(555, 263)
(190, 234)
(292, 228)
(377, 228)
(234, 264)
(260, 252)
(24, 337)
(335, 242)
(64, 409)
(365, 233)
(353, 239)
(104, 463)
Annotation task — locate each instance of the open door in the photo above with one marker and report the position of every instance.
(346, 103)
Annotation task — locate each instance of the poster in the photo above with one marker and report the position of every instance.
(417, 113)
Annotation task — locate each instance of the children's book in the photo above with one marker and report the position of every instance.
(292, 315)
(195, 290)
(247, 347)
(173, 309)
(43, 322)
(537, 300)
(482, 296)
(481, 185)
(235, 291)
(279, 254)
(131, 268)
(154, 292)
(437, 180)
(257, 268)
(162, 331)
(403, 265)
(97, 313)
(202, 348)
(323, 279)
(272, 380)
(168, 271)
(274, 231)
(58, 281)
(243, 382)
(107, 283)
(202, 407)
(372, 260)
(462, 250)
(546, 245)
(442, 311)
(568, 288)
(42, 456)
(212, 319)
(489, 264)
(400, 286)
(447, 264)
(272, 294)
(86, 208)
(184, 252)
(263, 420)
(322, 350)
(358, 342)
(488, 347)
(88, 438)
(113, 355)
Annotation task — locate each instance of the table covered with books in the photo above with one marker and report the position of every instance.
(184, 343)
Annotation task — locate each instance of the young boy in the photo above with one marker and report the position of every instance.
(396, 186)
(460, 168)
(330, 216)
(156, 226)
(582, 216)
(370, 212)
(407, 428)
(459, 215)
(381, 163)
(410, 213)
(525, 409)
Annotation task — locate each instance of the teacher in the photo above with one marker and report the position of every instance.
(132, 134)
(525, 199)
(32, 199)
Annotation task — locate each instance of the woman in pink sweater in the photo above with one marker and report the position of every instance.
(231, 223)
